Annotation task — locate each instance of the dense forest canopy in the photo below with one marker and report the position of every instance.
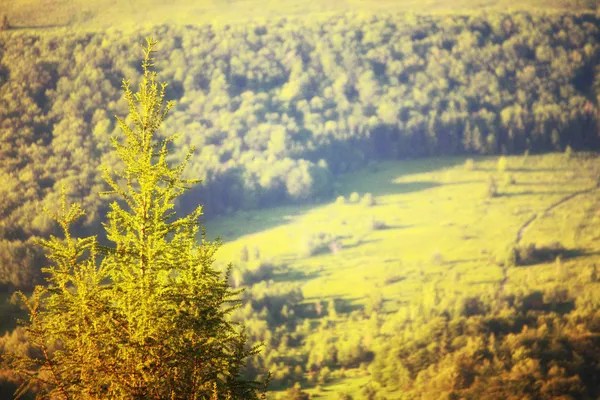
(277, 108)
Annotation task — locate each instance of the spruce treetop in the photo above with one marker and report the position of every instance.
(146, 316)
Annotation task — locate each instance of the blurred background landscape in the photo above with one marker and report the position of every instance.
(406, 189)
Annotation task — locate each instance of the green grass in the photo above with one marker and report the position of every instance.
(443, 234)
(352, 382)
(126, 14)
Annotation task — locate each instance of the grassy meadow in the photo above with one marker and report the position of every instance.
(433, 236)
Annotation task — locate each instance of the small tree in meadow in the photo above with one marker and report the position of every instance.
(368, 200)
(524, 158)
(492, 189)
(296, 393)
(593, 273)
(256, 253)
(568, 151)
(244, 254)
(510, 180)
(469, 164)
(502, 164)
(145, 318)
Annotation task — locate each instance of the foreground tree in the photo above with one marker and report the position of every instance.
(145, 318)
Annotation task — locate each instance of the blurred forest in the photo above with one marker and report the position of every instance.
(277, 111)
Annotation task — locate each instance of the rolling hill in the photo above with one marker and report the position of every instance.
(130, 14)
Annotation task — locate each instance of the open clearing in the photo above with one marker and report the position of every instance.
(434, 236)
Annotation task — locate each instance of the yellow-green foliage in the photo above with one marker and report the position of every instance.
(502, 164)
(469, 164)
(368, 200)
(568, 151)
(135, 319)
(492, 187)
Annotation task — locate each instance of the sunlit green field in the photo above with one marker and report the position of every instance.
(434, 235)
(125, 14)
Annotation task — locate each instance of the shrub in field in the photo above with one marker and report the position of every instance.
(469, 164)
(510, 258)
(377, 224)
(295, 393)
(368, 200)
(244, 255)
(592, 273)
(568, 151)
(335, 247)
(492, 189)
(473, 306)
(502, 164)
(556, 296)
(251, 273)
(437, 258)
(524, 158)
(314, 244)
(531, 254)
(256, 253)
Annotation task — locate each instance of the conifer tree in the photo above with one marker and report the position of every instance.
(146, 317)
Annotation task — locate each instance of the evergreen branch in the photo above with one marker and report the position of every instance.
(145, 316)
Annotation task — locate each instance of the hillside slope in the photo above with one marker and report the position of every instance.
(102, 14)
